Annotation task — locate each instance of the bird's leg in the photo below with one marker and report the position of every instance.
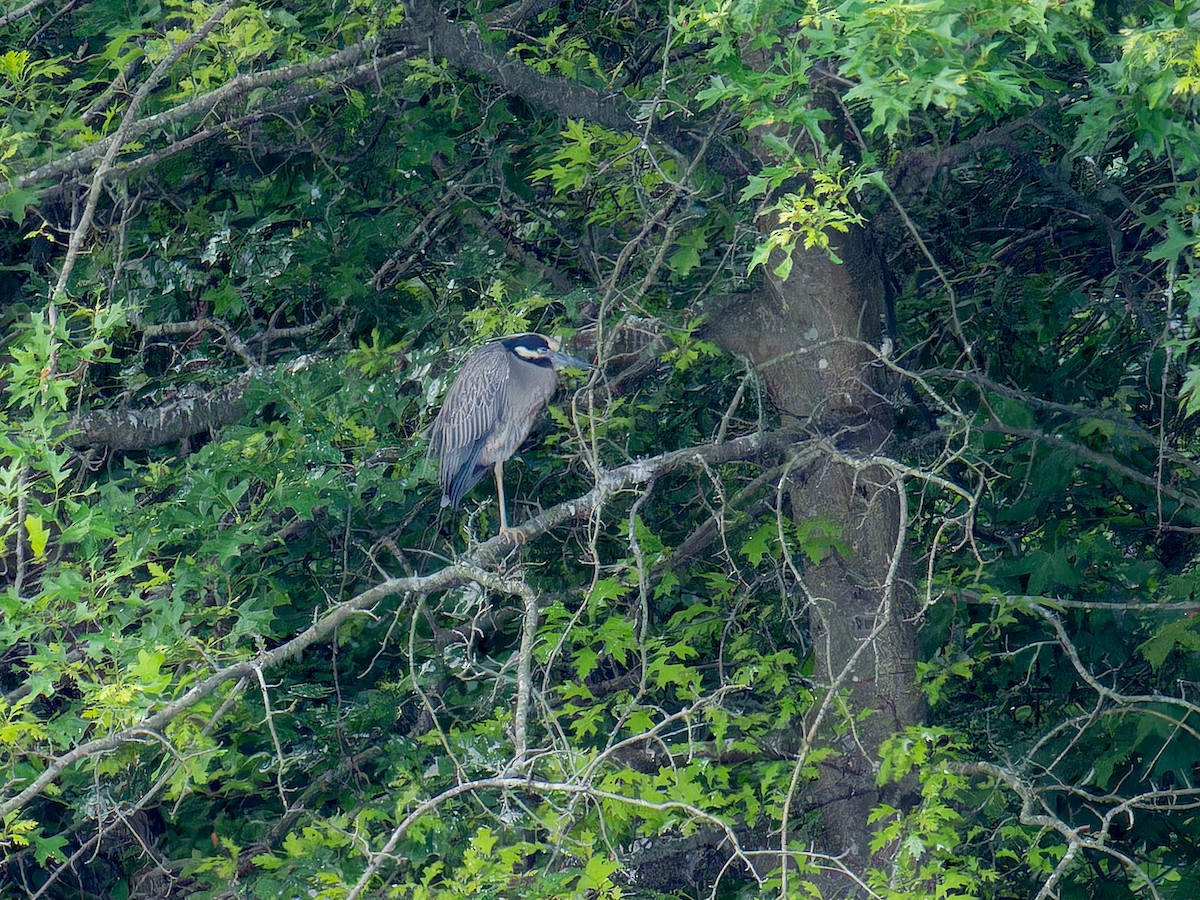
(505, 531)
(498, 471)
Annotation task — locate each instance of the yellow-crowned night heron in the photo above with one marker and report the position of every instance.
(490, 409)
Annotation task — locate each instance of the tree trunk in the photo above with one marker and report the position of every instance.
(810, 340)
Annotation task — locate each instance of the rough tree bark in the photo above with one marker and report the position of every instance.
(810, 338)
(140, 429)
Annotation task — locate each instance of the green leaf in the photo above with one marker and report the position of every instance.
(224, 300)
(1178, 635)
(35, 527)
(597, 874)
(17, 202)
(761, 543)
(607, 589)
(1178, 242)
(1105, 428)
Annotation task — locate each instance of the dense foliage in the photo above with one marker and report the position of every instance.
(243, 653)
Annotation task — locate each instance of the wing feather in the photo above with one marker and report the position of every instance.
(469, 413)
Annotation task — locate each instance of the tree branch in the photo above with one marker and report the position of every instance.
(581, 788)
(25, 10)
(473, 569)
(1097, 459)
(427, 29)
(235, 88)
(140, 429)
(81, 230)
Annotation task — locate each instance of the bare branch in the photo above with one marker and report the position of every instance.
(25, 10)
(379, 858)
(472, 570)
(234, 89)
(1095, 458)
(81, 230)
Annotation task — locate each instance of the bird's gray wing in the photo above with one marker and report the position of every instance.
(472, 407)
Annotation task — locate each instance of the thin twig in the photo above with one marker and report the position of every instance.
(379, 858)
(25, 10)
(83, 227)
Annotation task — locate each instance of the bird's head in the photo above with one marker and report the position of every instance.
(537, 348)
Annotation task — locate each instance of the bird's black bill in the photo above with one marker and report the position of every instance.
(567, 361)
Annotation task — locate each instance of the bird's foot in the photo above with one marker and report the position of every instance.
(516, 535)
